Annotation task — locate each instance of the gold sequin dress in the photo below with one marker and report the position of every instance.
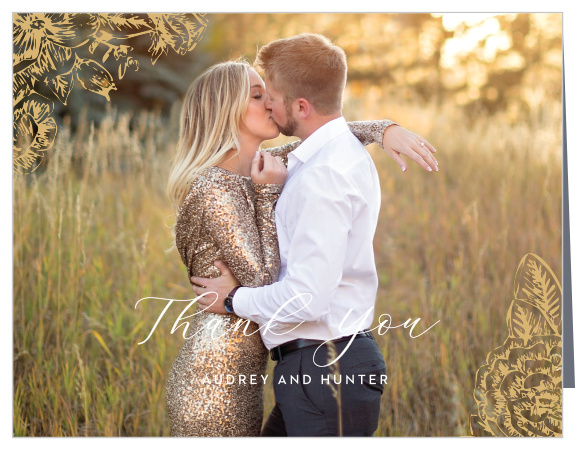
(215, 385)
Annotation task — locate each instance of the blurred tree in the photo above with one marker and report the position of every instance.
(484, 63)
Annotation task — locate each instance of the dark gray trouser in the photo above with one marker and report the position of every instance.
(311, 409)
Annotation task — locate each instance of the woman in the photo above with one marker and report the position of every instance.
(216, 382)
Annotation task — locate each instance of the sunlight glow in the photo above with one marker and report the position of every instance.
(470, 30)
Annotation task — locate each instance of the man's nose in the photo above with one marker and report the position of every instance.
(268, 103)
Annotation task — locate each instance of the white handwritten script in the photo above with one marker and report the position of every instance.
(275, 323)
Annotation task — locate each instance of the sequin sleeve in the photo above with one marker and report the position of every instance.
(283, 151)
(368, 132)
(245, 241)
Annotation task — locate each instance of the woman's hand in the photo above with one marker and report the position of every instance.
(398, 141)
(268, 169)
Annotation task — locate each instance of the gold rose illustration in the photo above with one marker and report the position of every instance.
(519, 391)
(52, 56)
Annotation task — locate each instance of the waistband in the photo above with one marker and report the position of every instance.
(277, 353)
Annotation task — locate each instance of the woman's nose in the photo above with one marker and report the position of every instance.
(267, 102)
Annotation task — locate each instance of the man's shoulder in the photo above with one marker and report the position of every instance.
(343, 152)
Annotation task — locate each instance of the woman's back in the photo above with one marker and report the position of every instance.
(217, 376)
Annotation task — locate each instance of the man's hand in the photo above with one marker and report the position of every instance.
(398, 141)
(212, 286)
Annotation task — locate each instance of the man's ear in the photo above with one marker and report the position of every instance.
(302, 108)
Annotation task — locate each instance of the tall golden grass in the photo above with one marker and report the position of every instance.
(90, 234)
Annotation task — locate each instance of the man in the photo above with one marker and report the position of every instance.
(326, 219)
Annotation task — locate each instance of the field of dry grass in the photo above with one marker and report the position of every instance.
(90, 235)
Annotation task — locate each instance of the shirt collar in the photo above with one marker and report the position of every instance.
(319, 138)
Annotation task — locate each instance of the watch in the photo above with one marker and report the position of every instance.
(228, 301)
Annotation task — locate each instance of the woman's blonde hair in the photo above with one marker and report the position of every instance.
(212, 111)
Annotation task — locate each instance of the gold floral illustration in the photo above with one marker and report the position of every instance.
(519, 391)
(52, 56)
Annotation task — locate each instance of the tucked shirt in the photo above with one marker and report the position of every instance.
(326, 219)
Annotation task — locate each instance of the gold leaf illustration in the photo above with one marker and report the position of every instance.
(70, 30)
(516, 406)
(176, 31)
(187, 31)
(62, 85)
(553, 421)
(502, 352)
(195, 29)
(551, 342)
(22, 85)
(130, 62)
(525, 319)
(505, 426)
(34, 132)
(31, 31)
(163, 37)
(493, 428)
(518, 392)
(93, 46)
(512, 384)
(94, 77)
(536, 282)
(480, 376)
(124, 26)
(47, 65)
(476, 425)
(54, 59)
(26, 38)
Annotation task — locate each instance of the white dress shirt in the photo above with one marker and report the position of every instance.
(326, 219)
